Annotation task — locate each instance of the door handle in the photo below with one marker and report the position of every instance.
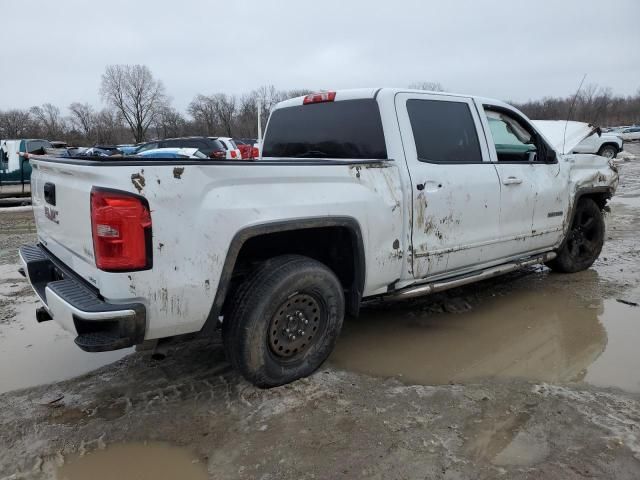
(512, 181)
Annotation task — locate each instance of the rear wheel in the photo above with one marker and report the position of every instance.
(284, 321)
(584, 240)
(608, 151)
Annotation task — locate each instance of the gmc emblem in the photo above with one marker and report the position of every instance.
(51, 214)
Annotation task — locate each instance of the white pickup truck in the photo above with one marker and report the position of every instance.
(607, 145)
(359, 194)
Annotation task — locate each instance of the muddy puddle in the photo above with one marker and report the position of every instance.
(537, 332)
(32, 353)
(134, 461)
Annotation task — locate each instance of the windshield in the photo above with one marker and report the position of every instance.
(344, 129)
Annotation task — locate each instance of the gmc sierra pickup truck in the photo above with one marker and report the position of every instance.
(359, 194)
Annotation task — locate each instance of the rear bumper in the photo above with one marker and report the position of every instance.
(76, 305)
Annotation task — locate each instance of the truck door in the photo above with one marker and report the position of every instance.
(532, 189)
(455, 189)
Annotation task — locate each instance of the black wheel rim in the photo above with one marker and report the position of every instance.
(583, 240)
(295, 326)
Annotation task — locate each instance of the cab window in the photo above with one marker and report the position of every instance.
(513, 142)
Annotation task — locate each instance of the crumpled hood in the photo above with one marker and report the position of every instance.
(554, 132)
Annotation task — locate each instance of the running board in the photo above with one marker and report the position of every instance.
(439, 286)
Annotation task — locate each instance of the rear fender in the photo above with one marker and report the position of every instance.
(355, 291)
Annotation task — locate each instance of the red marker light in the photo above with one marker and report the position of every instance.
(319, 98)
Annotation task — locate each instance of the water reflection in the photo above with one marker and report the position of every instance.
(537, 331)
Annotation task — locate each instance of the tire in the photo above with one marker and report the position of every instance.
(608, 151)
(284, 321)
(584, 240)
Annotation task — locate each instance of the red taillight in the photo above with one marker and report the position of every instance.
(255, 152)
(319, 97)
(233, 154)
(218, 154)
(121, 228)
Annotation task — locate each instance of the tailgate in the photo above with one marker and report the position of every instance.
(61, 206)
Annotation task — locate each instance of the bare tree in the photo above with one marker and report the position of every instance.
(593, 104)
(83, 117)
(225, 108)
(15, 123)
(132, 90)
(202, 109)
(49, 119)
(110, 128)
(429, 86)
(169, 122)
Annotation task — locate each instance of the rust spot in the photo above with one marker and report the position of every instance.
(160, 245)
(137, 179)
(158, 181)
(177, 172)
(396, 244)
(207, 284)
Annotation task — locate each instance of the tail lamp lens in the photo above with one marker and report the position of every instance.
(121, 228)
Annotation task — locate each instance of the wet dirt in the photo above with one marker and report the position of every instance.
(31, 353)
(537, 333)
(134, 461)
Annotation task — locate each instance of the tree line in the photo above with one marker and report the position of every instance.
(137, 108)
(592, 104)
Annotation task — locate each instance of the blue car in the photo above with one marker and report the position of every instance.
(173, 153)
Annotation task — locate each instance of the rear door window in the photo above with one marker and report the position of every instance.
(172, 144)
(444, 131)
(343, 129)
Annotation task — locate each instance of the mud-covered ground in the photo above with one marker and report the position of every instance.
(534, 375)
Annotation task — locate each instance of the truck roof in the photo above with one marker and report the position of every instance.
(358, 93)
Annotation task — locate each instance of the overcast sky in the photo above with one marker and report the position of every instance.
(56, 51)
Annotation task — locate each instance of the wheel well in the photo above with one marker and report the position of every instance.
(610, 144)
(601, 198)
(337, 247)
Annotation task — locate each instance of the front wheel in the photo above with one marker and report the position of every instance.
(584, 240)
(608, 151)
(284, 321)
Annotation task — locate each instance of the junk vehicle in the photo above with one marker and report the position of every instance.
(358, 195)
(15, 170)
(600, 143)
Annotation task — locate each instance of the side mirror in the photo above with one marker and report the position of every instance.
(532, 156)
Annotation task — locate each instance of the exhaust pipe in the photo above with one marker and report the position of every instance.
(42, 315)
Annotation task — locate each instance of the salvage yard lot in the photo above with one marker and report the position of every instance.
(533, 375)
